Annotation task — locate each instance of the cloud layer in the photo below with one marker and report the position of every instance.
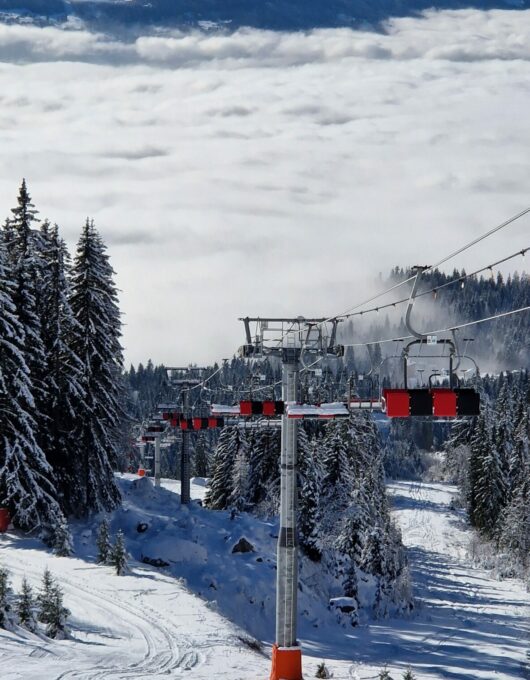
(268, 173)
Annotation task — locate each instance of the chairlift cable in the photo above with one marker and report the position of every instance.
(459, 279)
(445, 259)
(441, 330)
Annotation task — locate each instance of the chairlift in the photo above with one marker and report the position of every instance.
(442, 402)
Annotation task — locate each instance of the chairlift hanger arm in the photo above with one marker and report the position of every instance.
(419, 271)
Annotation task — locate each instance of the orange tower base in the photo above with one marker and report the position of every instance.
(286, 663)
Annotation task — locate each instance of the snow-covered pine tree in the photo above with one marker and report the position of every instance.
(25, 255)
(200, 459)
(239, 497)
(62, 539)
(514, 524)
(322, 671)
(26, 478)
(264, 477)
(310, 476)
(45, 597)
(25, 606)
(490, 488)
(65, 407)
(5, 591)
(378, 560)
(368, 464)
(478, 447)
(337, 473)
(103, 543)
(96, 341)
(350, 541)
(118, 556)
(221, 482)
(57, 614)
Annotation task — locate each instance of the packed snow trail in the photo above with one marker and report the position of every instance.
(466, 626)
(470, 624)
(144, 625)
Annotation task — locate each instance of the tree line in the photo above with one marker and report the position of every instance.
(489, 457)
(60, 375)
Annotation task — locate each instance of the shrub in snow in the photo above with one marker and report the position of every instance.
(322, 671)
(103, 542)
(384, 674)
(155, 561)
(409, 675)
(118, 556)
(243, 546)
(26, 606)
(251, 643)
(346, 605)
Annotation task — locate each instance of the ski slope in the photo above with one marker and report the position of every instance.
(148, 624)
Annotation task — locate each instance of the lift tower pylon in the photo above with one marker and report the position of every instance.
(295, 338)
(189, 380)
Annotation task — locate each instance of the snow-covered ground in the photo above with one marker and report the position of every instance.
(150, 625)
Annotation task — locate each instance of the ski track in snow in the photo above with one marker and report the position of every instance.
(477, 625)
(467, 625)
(166, 649)
(121, 628)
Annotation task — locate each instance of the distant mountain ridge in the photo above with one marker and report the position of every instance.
(233, 14)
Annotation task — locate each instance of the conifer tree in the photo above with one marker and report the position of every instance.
(350, 540)
(239, 500)
(25, 255)
(490, 487)
(322, 671)
(337, 472)
(96, 341)
(25, 606)
(264, 474)
(221, 483)
(118, 557)
(57, 614)
(62, 539)
(201, 457)
(478, 448)
(5, 590)
(103, 543)
(65, 406)
(45, 597)
(26, 478)
(309, 499)
(384, 674)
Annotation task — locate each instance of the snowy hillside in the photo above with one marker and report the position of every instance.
(215, 14)
(148, 624)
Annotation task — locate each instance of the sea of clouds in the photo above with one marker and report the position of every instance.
(269, 173)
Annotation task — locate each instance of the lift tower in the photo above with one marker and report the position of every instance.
(295, 341)
(185, 378)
